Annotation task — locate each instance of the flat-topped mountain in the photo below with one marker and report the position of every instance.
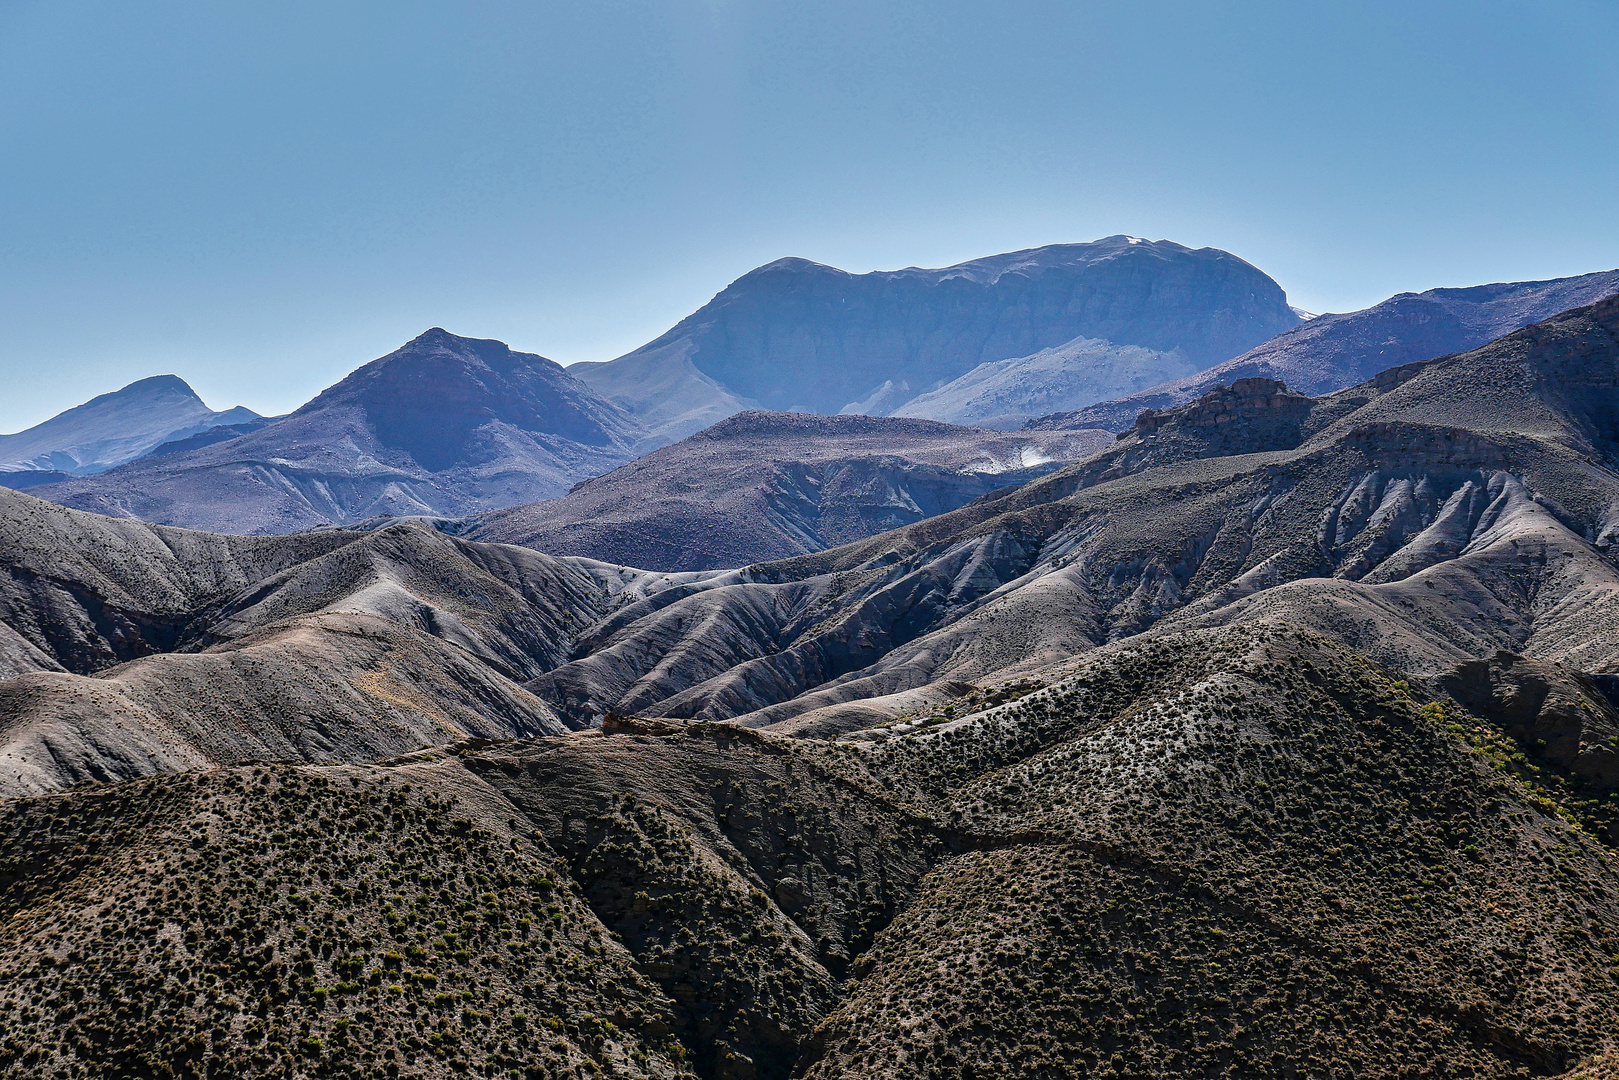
(761, 486)
(1334, 351)
(444, 425)
(111, 429)
(797, 335)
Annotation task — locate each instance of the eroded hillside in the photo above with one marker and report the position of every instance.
(1235, 850)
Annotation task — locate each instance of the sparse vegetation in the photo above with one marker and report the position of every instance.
(1235, 852)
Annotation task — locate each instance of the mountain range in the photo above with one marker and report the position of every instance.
(109, 430)
(1274, 735)
(1334, 351)
(1263, 741)
(795, 335)
(444, 425)
(1435, 514)
(448, 426)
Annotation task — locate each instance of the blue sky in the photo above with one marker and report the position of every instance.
(259, 198)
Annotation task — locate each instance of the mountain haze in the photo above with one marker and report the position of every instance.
(799, 336)
(1333, 351)
(444, 425)
(114, 428)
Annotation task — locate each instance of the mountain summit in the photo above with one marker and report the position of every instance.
(801, 336)
(113, 428)
(442, 425)
(447, 400)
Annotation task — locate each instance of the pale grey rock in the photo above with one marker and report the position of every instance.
(1007, 394)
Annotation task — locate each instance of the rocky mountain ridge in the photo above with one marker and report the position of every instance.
(761, 486)
(1334, 351)
(444, 425)
(795, 335)
(110, 429)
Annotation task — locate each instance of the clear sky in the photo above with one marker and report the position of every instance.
(261, 197)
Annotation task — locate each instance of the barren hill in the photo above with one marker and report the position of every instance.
(761, 486)
(443, 425)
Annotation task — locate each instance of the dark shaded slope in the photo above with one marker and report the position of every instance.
(444, 425)
(762, 486)
(1334, 351)
(90, 591)
(1240, 850)
(796, 335)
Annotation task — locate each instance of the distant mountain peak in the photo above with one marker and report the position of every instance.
(430, 396)
(437, 335)
(158, 383)
(794, 264)
(797, 334)
(109, 429)
(442, 425)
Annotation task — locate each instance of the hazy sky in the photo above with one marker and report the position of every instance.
(261, 197)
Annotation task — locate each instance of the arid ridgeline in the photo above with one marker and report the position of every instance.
(1269, 741)
(1234, 852)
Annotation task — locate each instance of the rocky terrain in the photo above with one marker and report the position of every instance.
(109, 430)
(444, 425)
(761, 486)
(1236, 851)
(799, 336)
(1331, 352)
(1427, 518)
(1271, 739)
(1430, 516)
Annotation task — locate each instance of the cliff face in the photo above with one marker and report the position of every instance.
(1246, 401)
(796, 335)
